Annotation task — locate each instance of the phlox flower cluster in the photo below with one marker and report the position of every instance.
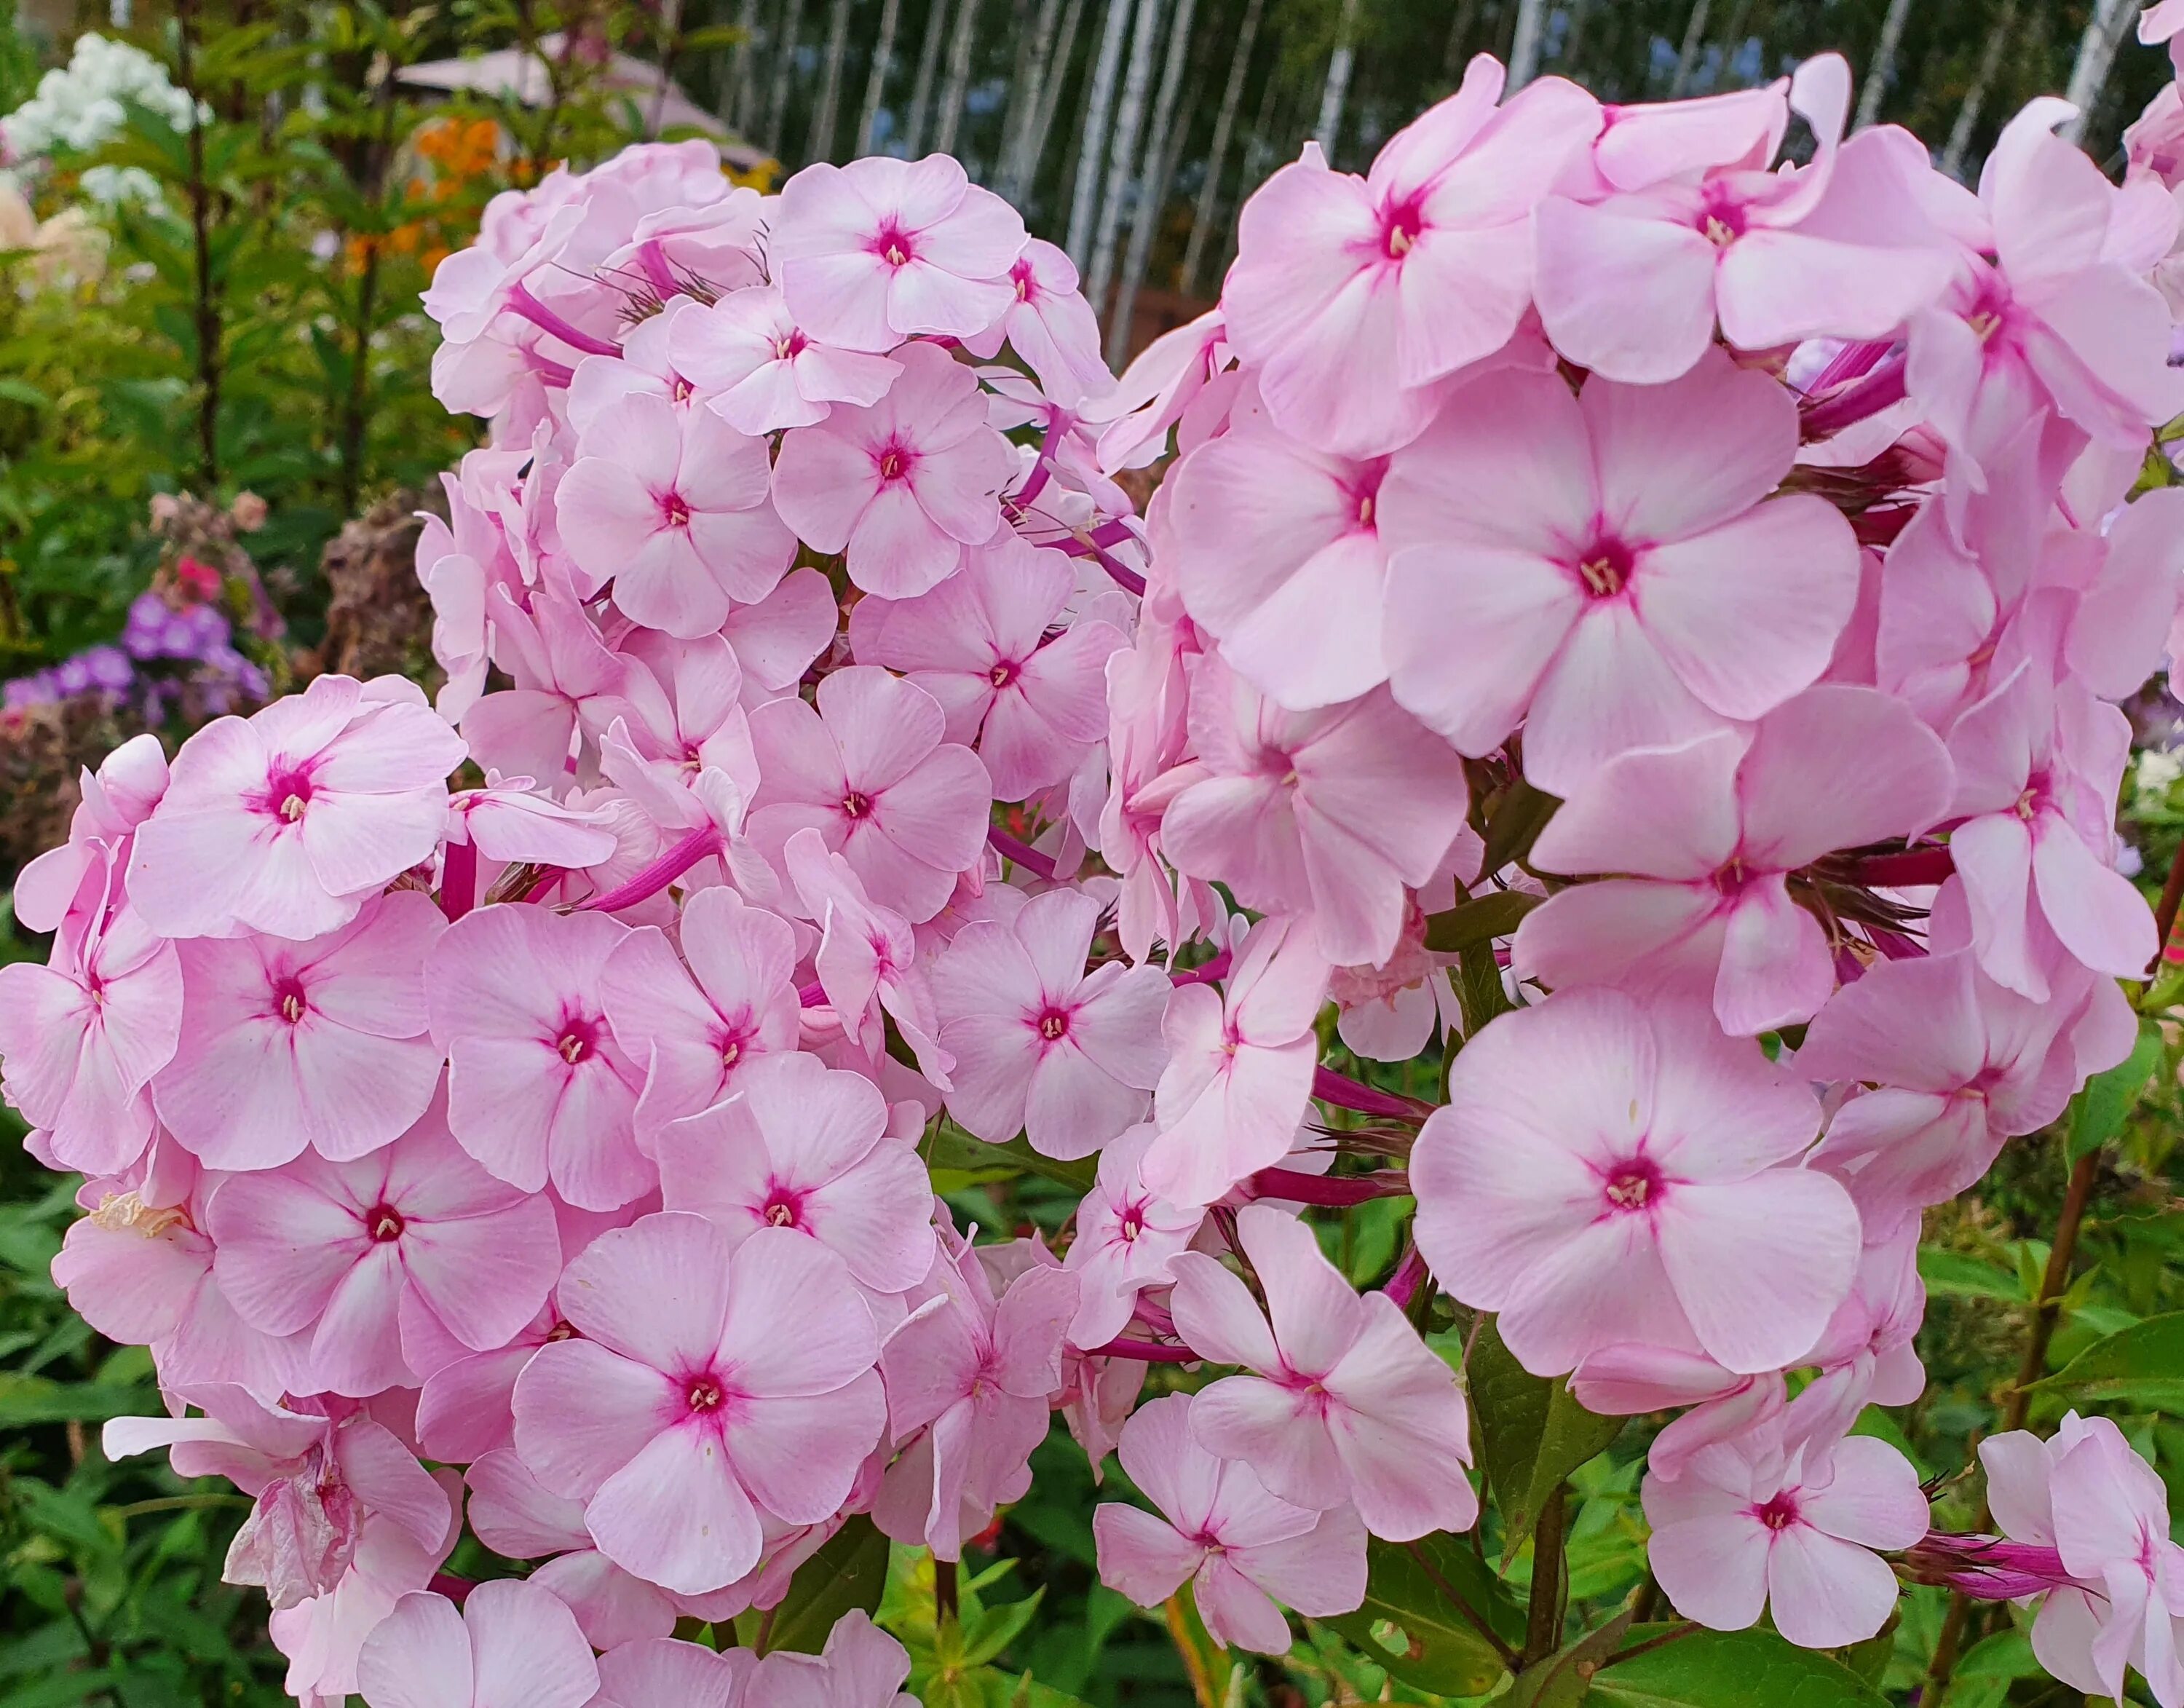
(1636, 624)
(80, 106)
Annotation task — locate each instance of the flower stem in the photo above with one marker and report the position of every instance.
(1146, 1351)
(1333, 1192)
(1346, 1093)
(1021, 853)
(1543, 1607)
(697, 845)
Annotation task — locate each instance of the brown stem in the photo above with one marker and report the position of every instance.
(943, 1592)
(2046, 1311)
(1679, 1632)
(1543, 1632)
(2165, 915)
(1472, 1615)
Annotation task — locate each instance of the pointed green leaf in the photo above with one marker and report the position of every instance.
(848, 1572)
(2142, 1364)
(1728, 1669)
(1563, 1679)
(2098, 1112)
(1532, 1433)
(1495, 914)
(1409, 1625)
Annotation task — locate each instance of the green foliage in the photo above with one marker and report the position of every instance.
(1428, 1607)
(850, 1571)
(2141, 1365)
(1726, 1669)
(1532, 1434)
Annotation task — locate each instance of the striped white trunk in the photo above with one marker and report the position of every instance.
(1123, 151)
(2089, 72)
(1687, 61)
(876, 77)
(820, 145)
(1025, 94)
(1968, 115)
(1051, 84)
(784, 73)
(1092, 149)
(1882, 72)
(1336, 90)
(1161, 144)
(1216, 157)
(958, 83)
(740, 88)
(1524, 49)
(920, 92)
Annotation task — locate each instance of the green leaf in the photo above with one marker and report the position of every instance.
(996, 1627)
(948, 1147)
(1432, 1645)
(2142, 1364)
(1495, 914)
(1955, 1276)
(2098, 1113)
(1730, 1669)
(1518, 817)
(2006, 1654)
(1532, 1434)
(1564, 1678)
(848, 1572)
(29, 1399)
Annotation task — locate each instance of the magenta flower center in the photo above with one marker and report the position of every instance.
(290, 1003)
(1632, 1186)
(1605, 567)
(1400, 227)
(856, 806)
(893, 245)
(383, 1223)
(1002, 674)
(287, 793)
(1133, 1223)
(1780, 1513)
(1054, 1025)
(895, 460)
(2035, 797)
(577, 1040)
(789, 345)
(704, 1394)
(674, 511)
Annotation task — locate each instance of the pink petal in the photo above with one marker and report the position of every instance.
(418, 1656)
(582, 1413)
(1759, 1266)
(526, 1650)
(675, 1516)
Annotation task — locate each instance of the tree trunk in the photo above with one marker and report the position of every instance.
(1216, 155)
(1687, 61)
(1524, 49)
(1025, 95)
(958, 83)
(784, 72)
(1968, 115)
(1161, 147)
(820, 145)
(1459, 43)
(2089, 71)
(1052, 81)
(1882, 71)
(920, 92)
(1336, 90)
(876, 77)
(739, 89)
(1099, 110)
(1123, 151)
(1573, 42)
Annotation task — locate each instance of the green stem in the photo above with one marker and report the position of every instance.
(1543, 1623)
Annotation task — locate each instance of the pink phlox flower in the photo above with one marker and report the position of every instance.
(538, 1086)
(711, 1380)
(286, 821)
(1040, 1044)
(968, 1380)
(1125, 1237)
(781, 636)
(1866, 1356)
(1389, 1012)
(804, 1146)
(1630, 284)
(2105, 1512)
(682, 745)
(1579, 564)
(987, 643)
(880, 250)
(567, 682)
(674, 509)
(661, 1672)
(1158, 389)
(868, 965)
(1278, 554)
(465, 1408)
(711, 246)
(116, 799)
(1240, 1062)
(1606, 1173)
(512, 819)
(1958, 1065)
(1344, 1405)
(385, 1257)
(902, 485)
(83, 1036)
(1244, 1552)
(870, 770)
(1302, 812)
(1050, 325)
(292, 1045)
(1716, 1404)
(1352, 295)
(763, 372)
(1758, 1522)
(701, 1020)
(518, 1519)
(139, 1270)
(646, 364)
(1709, 834)
(1096, 1402)
(2038, 764)
(515, 1645)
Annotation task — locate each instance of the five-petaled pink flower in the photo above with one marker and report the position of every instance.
(762, 370)
(902, 485)
(513, 1645)
(1125, 1236)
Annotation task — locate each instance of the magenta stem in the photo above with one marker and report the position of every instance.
(1410, 1275)
(1334, 1191)
(454, 1587)
(522, 302)
(1915, 868)
(1881, 389)
(657, 273)
(697, 845)
(1022, 853)
(1217, 967)
(1041, 470)
(1346, 1093)
(458, 880)
(1149, 1352)
(1079, 545)
(1851, 362)
(811, 996)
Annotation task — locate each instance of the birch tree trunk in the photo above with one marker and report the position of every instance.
(741, 86)
(1153, 181)
(1024, 97)
(1687, 61)
(1122, 152)
(1524, 49)
(2089, 71)
(1968, 115)
(1217, 154)
(1459, 43)
(1053, 80)
(784, 73)
(958, 81)
(1335, 91)
(921, 91)
(819, 144)
(1882, 72)
(876, 77)
(1099, 111)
